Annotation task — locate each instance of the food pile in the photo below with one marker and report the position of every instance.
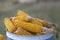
(24, 24)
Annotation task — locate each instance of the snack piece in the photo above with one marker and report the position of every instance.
(21, 31)
(9, 25)
(1, 37)
(23, 16)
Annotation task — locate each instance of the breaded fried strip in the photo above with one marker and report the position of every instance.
(21, 31)
(9, 25)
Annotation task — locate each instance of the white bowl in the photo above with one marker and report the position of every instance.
(20, 37)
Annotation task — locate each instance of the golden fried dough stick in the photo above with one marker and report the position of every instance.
(23, 16)
(9, 25)
(30, 26)
(43, 22)
(21, 31)
(1, 37)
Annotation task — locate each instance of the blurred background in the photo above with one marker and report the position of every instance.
(48, 10)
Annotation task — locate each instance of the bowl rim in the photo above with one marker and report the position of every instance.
(14, 36)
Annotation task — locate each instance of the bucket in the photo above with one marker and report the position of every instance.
(11, 36)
